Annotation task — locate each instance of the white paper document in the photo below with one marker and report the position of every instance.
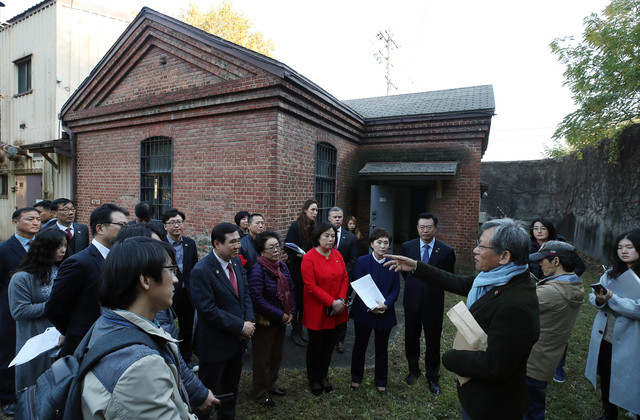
(366, 288)
(37, 345)
(470, 334)
(295, 247)
(626, 285)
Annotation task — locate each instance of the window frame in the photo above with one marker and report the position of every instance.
(156, 164)
(326, 178)
(24, 75)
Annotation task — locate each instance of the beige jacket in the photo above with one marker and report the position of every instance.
(559, 299)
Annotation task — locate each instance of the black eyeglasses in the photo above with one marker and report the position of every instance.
(173, 268)
(121, 224)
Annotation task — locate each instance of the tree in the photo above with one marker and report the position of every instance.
(228, 24)
(603, 73)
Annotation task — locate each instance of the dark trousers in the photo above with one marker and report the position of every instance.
(342, 328)
(298, 288)
(319, 350)
(537, 393)
(381, 342)
(185, 313)
(604, 371)
(428, 319)
(221, 378)
(267, 345)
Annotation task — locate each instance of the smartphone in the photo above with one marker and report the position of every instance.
(225, 397)
(598, 288)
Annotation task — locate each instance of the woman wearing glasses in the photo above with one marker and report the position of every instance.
(274, 304)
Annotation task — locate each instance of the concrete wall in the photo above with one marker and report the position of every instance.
(590, 199)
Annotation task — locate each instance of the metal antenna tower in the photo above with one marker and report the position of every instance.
(390, 45)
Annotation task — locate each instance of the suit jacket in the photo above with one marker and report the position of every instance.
(417, 292)
(509, 315)
(80, 237)
(189, 260)
(248, 251)
(11, 254)
(221, 312)
(74, 302)
(348, 247)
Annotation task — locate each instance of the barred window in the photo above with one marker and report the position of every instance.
(326, 170)
(24, 74)
(156, 170)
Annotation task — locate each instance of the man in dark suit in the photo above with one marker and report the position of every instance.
(27, 223)
(225, 316)
(186, 258)
(46, 214)
(424, 303)
(73, 305)
(247, 245)
(347, 245)
(77, 233)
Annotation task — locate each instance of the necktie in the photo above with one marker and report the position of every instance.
(232, 278)
(69, 234)
(425, 254)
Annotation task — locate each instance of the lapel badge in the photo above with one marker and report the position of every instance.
(217, 272)
(496, 293)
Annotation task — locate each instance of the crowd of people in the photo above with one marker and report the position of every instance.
(144, 278)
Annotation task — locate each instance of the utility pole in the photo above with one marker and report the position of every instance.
(380, 56)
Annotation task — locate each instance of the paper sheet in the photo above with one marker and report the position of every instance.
(470, 335)
(626, 285)
(37, 345)
(366, 288)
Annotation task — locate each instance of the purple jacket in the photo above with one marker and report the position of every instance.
(263, 286)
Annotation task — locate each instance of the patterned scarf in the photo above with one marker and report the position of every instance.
(283, 292)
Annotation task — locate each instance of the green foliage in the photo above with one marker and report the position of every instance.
(228, 24)
(603, 73)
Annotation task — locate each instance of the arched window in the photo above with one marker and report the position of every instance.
(156, 169)
(326, 171)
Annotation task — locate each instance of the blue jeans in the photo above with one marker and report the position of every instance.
(537, 392)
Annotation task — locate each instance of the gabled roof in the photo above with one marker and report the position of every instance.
(449, 101)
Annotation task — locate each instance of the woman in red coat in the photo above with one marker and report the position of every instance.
(325, 289)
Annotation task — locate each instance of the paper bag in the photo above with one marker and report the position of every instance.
(470, 335)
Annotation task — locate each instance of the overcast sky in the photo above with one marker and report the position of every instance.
(442, 44)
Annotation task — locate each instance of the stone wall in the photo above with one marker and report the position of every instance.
(589, 199)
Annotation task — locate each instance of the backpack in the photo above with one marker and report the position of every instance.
(57, 393)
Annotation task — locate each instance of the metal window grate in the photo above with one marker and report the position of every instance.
(326, 177)
(156, 170)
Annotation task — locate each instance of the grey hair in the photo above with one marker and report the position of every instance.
(511, 236)
(336, 208)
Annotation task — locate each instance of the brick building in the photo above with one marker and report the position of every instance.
(189, 120)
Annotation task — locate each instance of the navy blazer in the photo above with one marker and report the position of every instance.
(348, 247)
(74, 303)
(80, 236)
(221, 312)
(189, 260)
(11, 254)
(389, 284)
(416, 291)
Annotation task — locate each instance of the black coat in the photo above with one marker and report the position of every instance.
(509, 315)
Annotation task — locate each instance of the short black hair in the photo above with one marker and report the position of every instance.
(379, 233)
(219, 232)
(18, 213)
(127, 261)
(143, 210)
(172, 213)
(568, 263)
(131, 231)
(252, 215)
(59, 202)
(102, 215)
(262, 239)
(427, 215)
(318, 230)
(240, 215)
(45, 204)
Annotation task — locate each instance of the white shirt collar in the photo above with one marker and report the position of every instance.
(64, 228)
(431, 244)
(103, 249)
(377, 260)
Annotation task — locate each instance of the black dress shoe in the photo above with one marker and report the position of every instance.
(411, 378)
(326, 385)
(278, 392)
(316, 388)
(340, 347)
(305, 338)
(434, 388)
(298, 340)
(267, 402)
(9, 409)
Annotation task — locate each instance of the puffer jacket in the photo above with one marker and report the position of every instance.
(559, 299)
(134, 382)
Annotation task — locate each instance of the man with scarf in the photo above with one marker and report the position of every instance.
(503, 301)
